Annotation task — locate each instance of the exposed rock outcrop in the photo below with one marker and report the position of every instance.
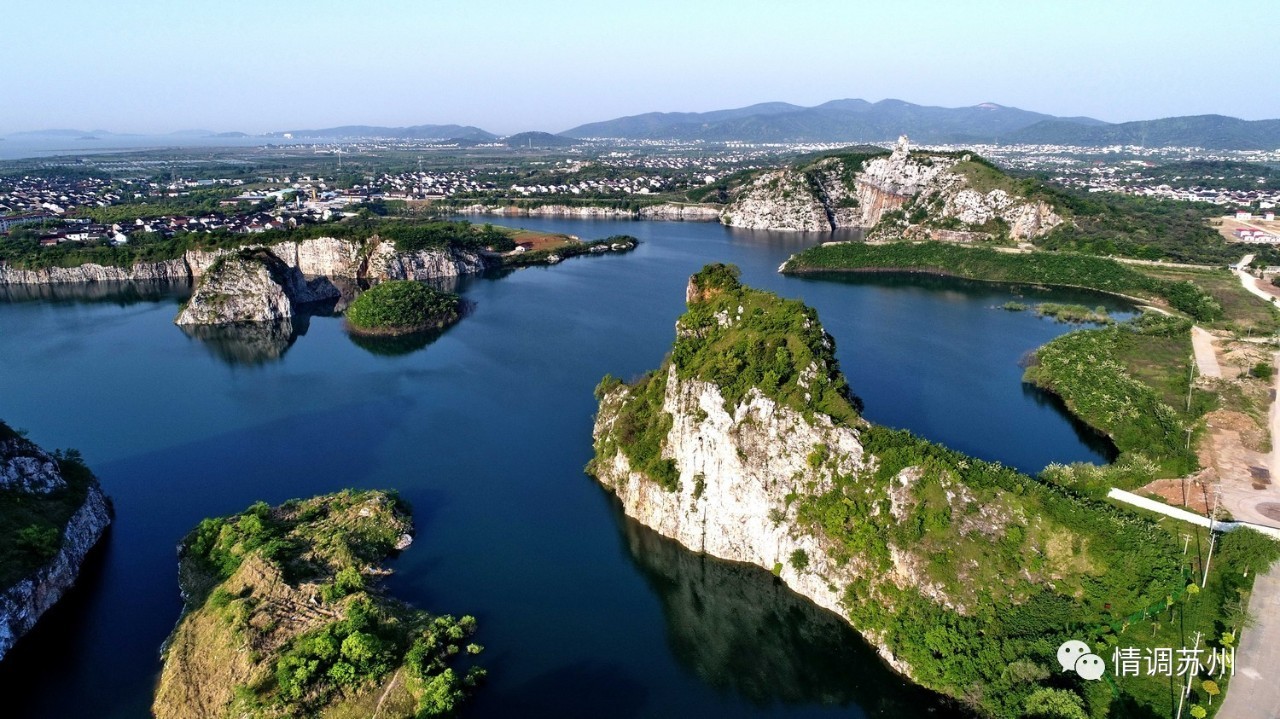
(746, 445)
(935, 191)
(142, 271)
(28, 472)
(664, 211)
(284, 617)
(252, 286)
(331, 257)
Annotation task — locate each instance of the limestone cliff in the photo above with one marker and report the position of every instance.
(374, 259)
(931, 195)
(664, 211)
(52, 512)
(285, 617)
(747, 445)
(252, 286)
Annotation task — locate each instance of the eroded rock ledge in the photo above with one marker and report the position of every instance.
(73, 514)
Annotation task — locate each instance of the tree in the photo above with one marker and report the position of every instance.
(1211, 688)
(1054, 704)
(1198, 711)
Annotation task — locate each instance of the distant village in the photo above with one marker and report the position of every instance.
(72, 209)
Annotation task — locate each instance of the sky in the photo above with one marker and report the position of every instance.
(153, 66)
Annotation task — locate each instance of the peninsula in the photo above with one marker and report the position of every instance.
(747, 444)
(284, 617)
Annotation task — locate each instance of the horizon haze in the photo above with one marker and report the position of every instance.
(162, 68)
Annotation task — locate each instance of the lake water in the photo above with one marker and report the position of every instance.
(486, 430)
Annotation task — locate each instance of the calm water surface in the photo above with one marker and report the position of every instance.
(486, 430)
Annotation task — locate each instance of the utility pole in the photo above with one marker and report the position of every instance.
(1217, 497)
(1187, 692)
(1191, 380)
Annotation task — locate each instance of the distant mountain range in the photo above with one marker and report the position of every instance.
(862, 121)
(835, 121)
(839, 121)
(416, 132)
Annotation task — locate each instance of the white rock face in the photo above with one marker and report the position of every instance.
(317, 257)
(252, 286)
(736, 472)
(835, 196)
(779, 200)
(143, 271)
(665, 211)
(26, 468)
(386, 263)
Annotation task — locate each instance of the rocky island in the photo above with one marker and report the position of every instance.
(747, 445)
(252, 285)
(52, 512)
(401, 307)
(284, 617)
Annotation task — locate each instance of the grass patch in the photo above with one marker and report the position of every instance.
(978, 263)
(1130, 382)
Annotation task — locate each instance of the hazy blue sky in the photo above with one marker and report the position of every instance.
(162, 65)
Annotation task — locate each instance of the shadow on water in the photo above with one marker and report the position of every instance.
(121, 294)
(943, 285)
(596, 689)
(1088, 436)
(741, 630)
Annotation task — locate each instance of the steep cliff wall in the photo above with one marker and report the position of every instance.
(936, 192)
(746, 445)
(252, 286)
(316, 257)
(664, 211)
(42, 494)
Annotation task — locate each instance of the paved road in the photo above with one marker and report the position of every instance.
(1254, 692)
(1206, 359)
(1249, 282)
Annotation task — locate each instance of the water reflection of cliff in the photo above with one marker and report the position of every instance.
(740, 629)
(250, 343)
(118, 293)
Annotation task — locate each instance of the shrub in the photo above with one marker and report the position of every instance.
(402, 306)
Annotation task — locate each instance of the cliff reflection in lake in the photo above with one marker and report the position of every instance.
(249, 343)
(121, 294)
(740, 629)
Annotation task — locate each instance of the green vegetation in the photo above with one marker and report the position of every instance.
(245, 577)
(641, 426)
(1050, 268)
(1126, 382)
(740, 339)
(31, 525)
(1023, 564)
(402, 307)
(408, 235)
(569, 249)
(1075, 314)
(1104, 223)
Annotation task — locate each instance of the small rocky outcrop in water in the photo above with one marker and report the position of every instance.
(746, 445)
(252, 285)
(52, 512)
(284, 617)
(943, 196)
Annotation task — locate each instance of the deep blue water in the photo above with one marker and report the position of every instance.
(486, 431)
